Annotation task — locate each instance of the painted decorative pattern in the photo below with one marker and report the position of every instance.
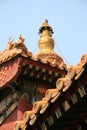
(9, 104)
(7, 72)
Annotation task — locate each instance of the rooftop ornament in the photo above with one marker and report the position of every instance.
(45, 25)
(46, 44)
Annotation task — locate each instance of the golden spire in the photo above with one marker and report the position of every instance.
(46, 46)
(46, 41)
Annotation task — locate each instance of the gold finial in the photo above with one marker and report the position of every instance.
(45, 25)
(46, 46)
(46, 41)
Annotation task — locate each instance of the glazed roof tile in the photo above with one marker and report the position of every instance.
(14, 49)
(51, 95)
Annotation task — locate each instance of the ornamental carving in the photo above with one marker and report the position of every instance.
(13, 49)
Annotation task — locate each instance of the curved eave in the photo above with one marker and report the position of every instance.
(45, 65)
(70, 92)
(10, 69)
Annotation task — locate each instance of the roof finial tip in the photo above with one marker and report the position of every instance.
(46, 20)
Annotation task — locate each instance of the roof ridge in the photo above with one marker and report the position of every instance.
(13, 49)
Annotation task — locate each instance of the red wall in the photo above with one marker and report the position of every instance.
(23, 106)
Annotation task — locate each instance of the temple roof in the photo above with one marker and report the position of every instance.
(52, 96)
(14, 49)
(16, 55)
(18, 49)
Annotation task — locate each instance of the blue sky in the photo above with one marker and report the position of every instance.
(67, 17)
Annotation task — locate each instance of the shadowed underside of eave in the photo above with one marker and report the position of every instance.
(74, 118)
(69, 112)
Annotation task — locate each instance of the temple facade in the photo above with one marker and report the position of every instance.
(39, 91)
